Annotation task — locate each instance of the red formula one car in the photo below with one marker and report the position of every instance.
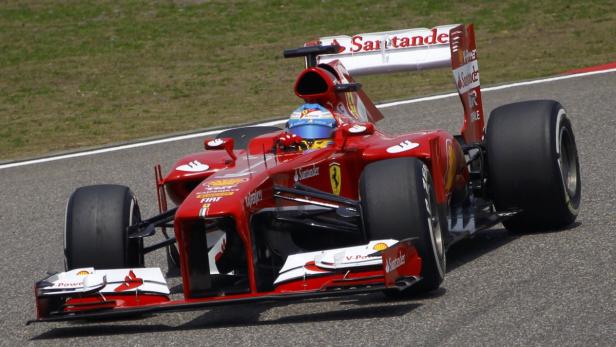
(330, 205)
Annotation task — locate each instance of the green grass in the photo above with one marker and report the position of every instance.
(84, 73)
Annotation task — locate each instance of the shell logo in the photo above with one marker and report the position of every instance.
(380, 246)
(83, 273)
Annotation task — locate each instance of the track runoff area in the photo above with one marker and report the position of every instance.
(601, 69)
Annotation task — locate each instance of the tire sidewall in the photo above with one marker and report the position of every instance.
(572, 202)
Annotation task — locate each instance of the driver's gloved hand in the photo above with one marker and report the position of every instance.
(288, 141)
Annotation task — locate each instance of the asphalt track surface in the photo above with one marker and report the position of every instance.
(555, 288)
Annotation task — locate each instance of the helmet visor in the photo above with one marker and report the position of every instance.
(312, 131)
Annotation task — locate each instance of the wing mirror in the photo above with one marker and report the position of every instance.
(358, 129)
(225, 143)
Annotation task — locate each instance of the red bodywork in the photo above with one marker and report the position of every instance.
(349, 153)
(237, 184)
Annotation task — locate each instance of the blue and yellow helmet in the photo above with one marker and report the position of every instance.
(312, 122)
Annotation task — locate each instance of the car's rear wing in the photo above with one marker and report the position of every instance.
(418, 49)
(391, 51)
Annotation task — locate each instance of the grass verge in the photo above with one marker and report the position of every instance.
(83, 73)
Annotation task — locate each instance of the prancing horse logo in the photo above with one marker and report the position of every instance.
(335, 177)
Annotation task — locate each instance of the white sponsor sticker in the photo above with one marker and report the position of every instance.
(392, 264)
(253, 198)
(211, 199)
(303, 265)
(302, 174)
(467, 76)
(193, 166)
(357, 129)
(403, 146)
(103, 281)
(390, 40)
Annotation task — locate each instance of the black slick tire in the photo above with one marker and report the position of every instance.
(398, 201)
(533, 165)
(96, 233)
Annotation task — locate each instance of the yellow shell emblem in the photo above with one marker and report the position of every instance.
(380, 246)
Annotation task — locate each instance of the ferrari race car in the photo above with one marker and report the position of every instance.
(330, 205)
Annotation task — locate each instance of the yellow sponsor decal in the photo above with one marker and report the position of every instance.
(335, 177)
(214, 194)
(380, 246)
(451, 165)
(226, 182)
(83, 273)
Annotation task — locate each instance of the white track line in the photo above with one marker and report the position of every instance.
(127, 146)
(277, 122)
(489, 89)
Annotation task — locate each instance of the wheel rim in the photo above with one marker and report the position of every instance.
(434, 226)
(436, 237)
(134, 247)
(568, 162)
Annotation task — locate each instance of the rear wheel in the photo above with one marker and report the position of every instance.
(242, 136)
(398, 202)
(533, 165)
(96, 233)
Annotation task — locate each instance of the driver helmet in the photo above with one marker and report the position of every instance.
(314, 124)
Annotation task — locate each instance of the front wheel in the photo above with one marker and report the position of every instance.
(96, 232)
(398, 201)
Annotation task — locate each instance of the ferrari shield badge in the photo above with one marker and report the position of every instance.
(335, 177)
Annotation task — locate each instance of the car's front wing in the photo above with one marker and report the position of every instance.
(90, 294)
